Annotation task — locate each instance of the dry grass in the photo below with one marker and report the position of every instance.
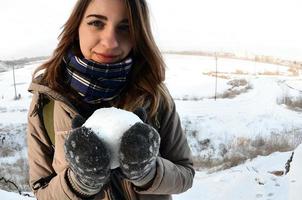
(221, 75)
(16, 172)
(189, 98)
(12, 145)
(269, 73)
(294, 70)
(293, 103)
(239, 86)
(240, 72)
(8, 147)
(242, 149)
(237, 82)
(6, 152)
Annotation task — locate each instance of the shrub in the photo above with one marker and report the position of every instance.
(17, 173)
(239, 71)
(237, 82)
(292, 102)
(16, 168)
(270, 73)
(241, 149)
(238, 86)
(294, 70)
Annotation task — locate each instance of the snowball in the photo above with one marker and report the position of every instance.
(110, 124)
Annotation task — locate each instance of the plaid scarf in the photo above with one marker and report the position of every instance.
(96, 82)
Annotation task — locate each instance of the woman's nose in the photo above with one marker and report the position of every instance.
(109, 39)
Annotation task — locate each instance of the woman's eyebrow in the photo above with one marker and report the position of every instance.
(97, 16)
(105, 18)
(124, 21)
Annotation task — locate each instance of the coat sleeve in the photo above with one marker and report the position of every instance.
(174, 172)
(51, 185)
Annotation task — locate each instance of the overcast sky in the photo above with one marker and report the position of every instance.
(273, 27)
(268, 26)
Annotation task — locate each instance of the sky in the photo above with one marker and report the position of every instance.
(271, 27)
(268, 26)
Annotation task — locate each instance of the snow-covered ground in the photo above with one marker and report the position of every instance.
(224, 121)
(252, 113)
(13, 196)
(215, 128)
(251, 181)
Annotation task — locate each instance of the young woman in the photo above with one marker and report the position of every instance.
(106, 56)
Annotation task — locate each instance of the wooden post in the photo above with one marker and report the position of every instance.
(216, 61)
(16, 97)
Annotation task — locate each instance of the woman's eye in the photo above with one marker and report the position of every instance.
(124, 28)
(97, 24)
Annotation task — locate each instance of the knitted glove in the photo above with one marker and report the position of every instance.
(138, 151)
(89, 161)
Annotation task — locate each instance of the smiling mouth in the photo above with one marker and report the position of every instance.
(106, 58)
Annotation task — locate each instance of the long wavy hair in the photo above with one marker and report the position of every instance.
(146, 81)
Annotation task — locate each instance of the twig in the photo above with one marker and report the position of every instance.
(255, 169)
(287, 164)
(11, 182)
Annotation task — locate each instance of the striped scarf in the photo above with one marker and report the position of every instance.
(96, 82)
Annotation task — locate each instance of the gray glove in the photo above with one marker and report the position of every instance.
(138, 151)
(89, 161)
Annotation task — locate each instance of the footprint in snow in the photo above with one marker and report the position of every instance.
(270, 194)
(259, 195)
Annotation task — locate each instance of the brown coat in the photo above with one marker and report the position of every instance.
(174, 172)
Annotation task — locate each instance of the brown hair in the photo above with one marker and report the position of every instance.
(146, 81)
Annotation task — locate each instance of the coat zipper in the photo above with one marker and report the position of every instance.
(127, 189)
(109, 193)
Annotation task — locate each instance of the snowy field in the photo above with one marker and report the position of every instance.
(251, 181)
(250, 113)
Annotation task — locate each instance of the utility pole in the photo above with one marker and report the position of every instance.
(216, 61)
(16, 97)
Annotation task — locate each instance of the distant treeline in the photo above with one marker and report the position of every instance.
(23, 60)
(250, 57)
(6, 65)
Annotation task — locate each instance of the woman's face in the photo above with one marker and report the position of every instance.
(104, 31)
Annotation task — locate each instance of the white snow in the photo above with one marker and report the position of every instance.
(295, 175)
(110, 124)
(30, 28)
(249, 115)
(12, 196)
(246, 115)
(249, 181)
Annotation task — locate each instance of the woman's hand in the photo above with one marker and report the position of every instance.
(89, 161)
(138, 151)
